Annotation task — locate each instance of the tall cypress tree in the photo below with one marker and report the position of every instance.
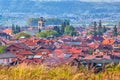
(17, 29)
(115, 32)
(56, 28)
(100, 25)
(100, 28)
(119, 24)
(62, 28)
(104, 29)
(39, 30)
(95, 28)
(63, 25)
(13, 28)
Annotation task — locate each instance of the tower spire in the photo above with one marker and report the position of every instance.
(41, 24)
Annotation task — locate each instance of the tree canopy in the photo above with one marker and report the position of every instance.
(2, 49)
(57, 29)
(48, 21)
(15, 29)
(63, 25)
(69, 30)
(115, 32)
(22, 34)
(47, 33)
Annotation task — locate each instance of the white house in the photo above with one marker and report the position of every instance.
(7, 58)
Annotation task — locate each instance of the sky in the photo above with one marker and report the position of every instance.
(83, 0)
(101, 0)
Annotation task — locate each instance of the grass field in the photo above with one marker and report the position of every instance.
(64, 72)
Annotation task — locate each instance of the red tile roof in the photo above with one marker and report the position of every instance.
(108, 41)
(19, 46)
(25, 52)
(44, 50)
(60, 55)
(8, 31)
(75, 55)
(31, 42)
(75, 50)
(93, 45)
(58, 51)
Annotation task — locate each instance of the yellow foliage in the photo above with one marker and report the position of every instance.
(63, 72)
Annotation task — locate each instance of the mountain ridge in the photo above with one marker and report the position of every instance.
(77, 10)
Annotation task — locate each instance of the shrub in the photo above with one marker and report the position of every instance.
(22, 34)
(63, 72)
(47, 33)
(2, 49)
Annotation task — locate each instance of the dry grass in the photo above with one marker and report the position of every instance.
(64, 72)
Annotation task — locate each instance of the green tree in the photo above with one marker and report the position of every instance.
(115, 32)
(17, 29)
(39, 30)
(47, 33)
(118, 33)
(13, 28)
(119, 24)
(91, 51)
(100, 32)
(104, 29)
(22, 34)
(57, 29)
(62, 29)
(100, 25)
(63, 25)
(100, 29)
(70, 30)
(91, 32)
(48, 21)
(2, 49)
(95, 29)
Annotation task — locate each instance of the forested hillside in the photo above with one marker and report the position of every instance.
(18, 11)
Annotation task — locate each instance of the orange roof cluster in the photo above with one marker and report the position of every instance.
(108, 41)
(31, 42)
(74, 50)
(24, 52)
(8, 31)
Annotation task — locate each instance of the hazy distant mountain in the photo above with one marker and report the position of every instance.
(51, 7)
(101, 0)
(83, 10)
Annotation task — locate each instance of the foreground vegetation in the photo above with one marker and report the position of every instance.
(37, 72)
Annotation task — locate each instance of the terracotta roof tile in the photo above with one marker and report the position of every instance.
(74, 50)
(108, 41)
(8, 31)
(25, 52)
